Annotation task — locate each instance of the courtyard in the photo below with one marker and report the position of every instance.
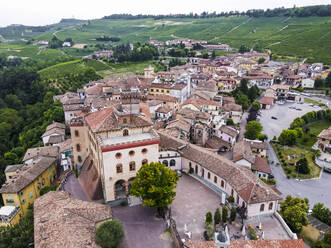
(194, 199)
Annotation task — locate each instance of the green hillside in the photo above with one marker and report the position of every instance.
(304, 37)
(308, 37)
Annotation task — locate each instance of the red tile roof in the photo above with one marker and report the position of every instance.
(267, 100)
(261, 164)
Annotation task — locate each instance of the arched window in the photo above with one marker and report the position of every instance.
(124, 121)
(165, 162)
(79, 158)
(172, 162)
(196, 169)
(119, 168)
(271, 205)
(232, 192)
(118, 155)
(222, 184)
(131, 153)
(78, 147)
(262, 207)
(132, 166)
(237, 199)
(243, 204)
(208, 175)
(202, 172)
(215, 179)
(145, 161)
(125, 132)
(144, 151)
(76, 133)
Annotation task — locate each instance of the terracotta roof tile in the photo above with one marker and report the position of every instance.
(250, 188)
(261, 164)
(61, 221)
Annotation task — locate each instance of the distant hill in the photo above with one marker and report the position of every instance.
(17, 31)
(298, 32)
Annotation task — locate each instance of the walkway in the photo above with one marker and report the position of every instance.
(74, 188)
(142, 228)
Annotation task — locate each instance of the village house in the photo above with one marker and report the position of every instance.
(193, 116)
(182, 127)
(293, 80)
(307, 83)
(24, 187)
(62, 221)
(163, 113)
(233, 111)
(211, 107)
(228, 134)
(280, 91)
(324, 140)
(168, 101)
(267, 102)
(54, 130)
(9, 215)
(263, 82)
(243, 155)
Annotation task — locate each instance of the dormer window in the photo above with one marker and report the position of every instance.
(125, 132)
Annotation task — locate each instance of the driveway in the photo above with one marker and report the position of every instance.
(285, 116)
(316, 190)
(74, 188)
(141, 228)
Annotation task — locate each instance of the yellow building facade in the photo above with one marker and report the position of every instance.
(31, 191)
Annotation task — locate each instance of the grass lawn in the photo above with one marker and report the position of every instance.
(291, 155)
(309, 233)
(310, 138)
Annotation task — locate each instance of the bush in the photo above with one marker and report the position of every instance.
(217, 216)
(124, 203)
(233, 214)
(191, 171)
(231, 199)
(302, 166)
(209, 234)
(224, 214)
(209, 218)
(76, 172)
(109, 234)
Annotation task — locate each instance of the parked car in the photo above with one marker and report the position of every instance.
(271, 176)
(274, 118)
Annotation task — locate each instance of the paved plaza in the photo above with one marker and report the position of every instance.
(193, 200)
(142, 228)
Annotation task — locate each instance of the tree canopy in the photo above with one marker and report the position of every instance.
(294, 212)
(109, 234)
(155, 184)
(253, 129)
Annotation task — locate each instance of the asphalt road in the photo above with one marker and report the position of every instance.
(316, 190)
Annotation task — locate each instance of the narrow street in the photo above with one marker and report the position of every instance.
(74, 188)
(243, 124)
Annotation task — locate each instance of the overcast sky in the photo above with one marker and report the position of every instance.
(41, 12)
